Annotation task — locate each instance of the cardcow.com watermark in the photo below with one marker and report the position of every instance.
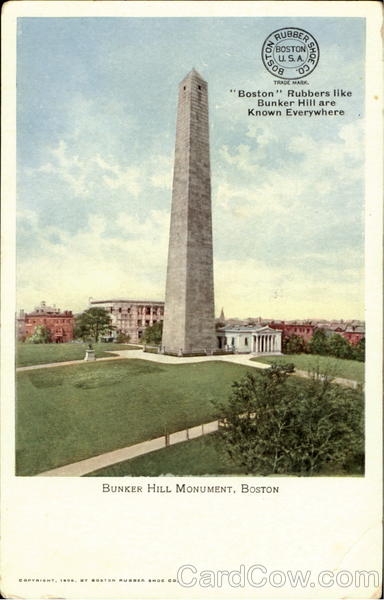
(258, 576)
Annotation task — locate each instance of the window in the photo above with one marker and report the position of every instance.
(199, 86)
(245, 341)
(233, 341)
(120, 310)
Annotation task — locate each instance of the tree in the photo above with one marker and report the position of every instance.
(92, 323)
(340, 347)
(41, 335)
(153, 334)
(122, 338)
(294, 344)
(270, 426)
(254, 421)
(329, 427)
(319, 342)
(359, 350)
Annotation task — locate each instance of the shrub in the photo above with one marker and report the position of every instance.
(271, 427)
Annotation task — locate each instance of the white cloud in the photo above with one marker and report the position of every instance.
(251, 288)
(129, 262)
(304, 171)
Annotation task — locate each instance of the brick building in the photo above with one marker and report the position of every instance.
(352, 331)
(303, 329)
(60, 323)
(131, 317)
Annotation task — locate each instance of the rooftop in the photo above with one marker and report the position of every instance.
(126, 301)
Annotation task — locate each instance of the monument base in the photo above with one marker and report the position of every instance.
(182, 354)
(90, 355)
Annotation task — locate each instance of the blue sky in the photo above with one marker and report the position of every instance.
(96, 125)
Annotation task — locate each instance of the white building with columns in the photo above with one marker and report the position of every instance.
(131, 317)
(250, 339)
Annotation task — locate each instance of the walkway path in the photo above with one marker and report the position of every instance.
(67, 362)
(239, 359)
(94, 463)
(89, 465)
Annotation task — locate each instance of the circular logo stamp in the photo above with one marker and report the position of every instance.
(290, 53)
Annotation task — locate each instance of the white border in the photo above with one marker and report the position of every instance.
(33, 508)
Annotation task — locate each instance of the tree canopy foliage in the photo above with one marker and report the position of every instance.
(41, 335)
(152, 335)
(93, 323)
(326, 345)
(272, 427)
(294, 344)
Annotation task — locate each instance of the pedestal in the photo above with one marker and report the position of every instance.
(89, 355)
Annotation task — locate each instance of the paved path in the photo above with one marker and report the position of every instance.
(83, 467)
(239, 359)
(242, 359)
(64, 364)
(116, 456)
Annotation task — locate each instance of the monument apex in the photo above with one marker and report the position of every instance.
(189, 299)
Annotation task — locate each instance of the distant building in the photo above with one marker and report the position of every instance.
(303, 329)
(60, 323)
(251, 339)
(353, 331)
(132, 317)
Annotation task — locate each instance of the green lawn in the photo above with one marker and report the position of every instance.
(69, 413)
(203, 456)
(336, 367)
(38, 354)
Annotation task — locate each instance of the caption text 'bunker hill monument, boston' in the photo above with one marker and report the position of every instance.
(189, 325)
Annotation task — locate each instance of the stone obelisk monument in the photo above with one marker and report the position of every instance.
(189, 326)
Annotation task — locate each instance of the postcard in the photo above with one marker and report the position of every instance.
(191, 292)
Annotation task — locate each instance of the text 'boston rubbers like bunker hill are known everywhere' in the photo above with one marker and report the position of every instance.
(296, 103)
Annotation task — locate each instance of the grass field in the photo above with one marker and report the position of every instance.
(69, 413)
(203, 456)
(336, 367)
(39, 354)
